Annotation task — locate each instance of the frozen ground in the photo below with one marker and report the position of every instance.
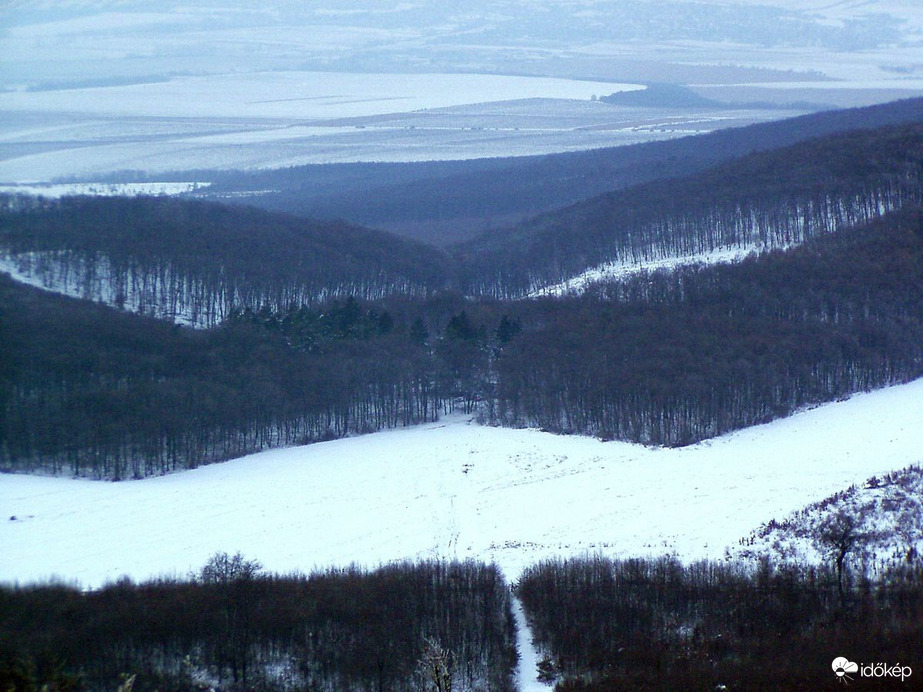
(455, 490)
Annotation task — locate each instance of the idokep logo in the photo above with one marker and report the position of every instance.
(843, 667)
(845, 670)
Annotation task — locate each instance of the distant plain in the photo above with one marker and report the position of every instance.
(108, 90)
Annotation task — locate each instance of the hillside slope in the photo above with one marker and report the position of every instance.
(446, 202)
(455, 490)
(767, 200)
(659, 358)
(675, 357)
(197, 262)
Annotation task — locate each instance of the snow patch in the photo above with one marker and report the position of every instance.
(620, 270)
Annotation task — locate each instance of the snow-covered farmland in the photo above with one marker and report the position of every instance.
(454, 489)
(275, 120)
(299, 95)
(104, 87)
(267, 120)
(55, 191)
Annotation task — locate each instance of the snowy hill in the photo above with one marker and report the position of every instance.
(455, 490)
(887, 513)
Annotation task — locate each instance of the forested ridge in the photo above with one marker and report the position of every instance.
(446, 202)
(661, 358)
(676, 357)
(766, 200)
(316, 331)
(88, 390)
(197, 262)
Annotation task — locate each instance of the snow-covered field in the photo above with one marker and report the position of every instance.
(306, 96)
(455, 490)
(55, 191)
(278, 119)
(235, 122)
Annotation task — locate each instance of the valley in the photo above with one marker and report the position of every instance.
(455, 490)
(410, 346)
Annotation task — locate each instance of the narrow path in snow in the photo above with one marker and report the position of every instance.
(527, 671)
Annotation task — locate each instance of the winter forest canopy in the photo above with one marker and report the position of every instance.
(207, 332)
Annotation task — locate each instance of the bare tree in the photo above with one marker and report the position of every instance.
(234, 578)
(436, 665)
(224, 569)
(838, 535)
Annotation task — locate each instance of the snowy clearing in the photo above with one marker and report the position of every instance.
(455, 490)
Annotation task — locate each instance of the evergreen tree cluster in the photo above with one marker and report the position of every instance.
(234, 627)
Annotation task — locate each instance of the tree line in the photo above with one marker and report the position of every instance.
(233, 626)
(659, 624)
(601, 624)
